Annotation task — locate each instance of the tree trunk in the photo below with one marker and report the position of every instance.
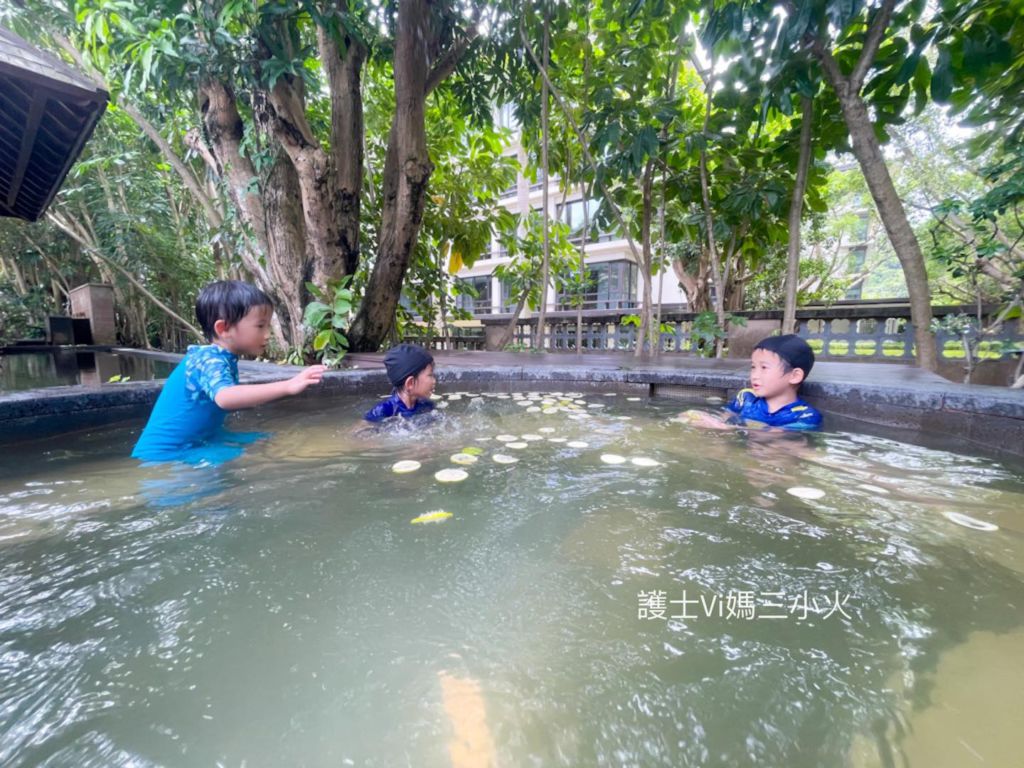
(694, 286)
(796, 207)
(866, 149)
(646, 258)
(224, 132)
(344, 73)
(539, 337)
(407, 170)
(510, 330)
(331, 238)
(894, 218)
(12, 268)
(663, 251)
(583, 268)
(709, 222)
(287, 260)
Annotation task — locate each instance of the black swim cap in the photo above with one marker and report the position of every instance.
(405, 360)
(794, 351)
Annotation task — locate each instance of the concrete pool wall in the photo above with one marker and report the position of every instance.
(874, 395)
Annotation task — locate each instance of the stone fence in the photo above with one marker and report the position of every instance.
(860, 331)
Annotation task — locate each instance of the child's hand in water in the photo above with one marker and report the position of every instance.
(703, 419)
(312, 375)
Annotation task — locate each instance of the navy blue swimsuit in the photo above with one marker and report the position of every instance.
(394, 406)
(796, 415)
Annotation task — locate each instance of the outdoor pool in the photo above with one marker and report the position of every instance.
(62, 367)
(282, 609)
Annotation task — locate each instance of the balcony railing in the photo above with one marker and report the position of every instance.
(476, 306)
(597, 301)
(859, 331)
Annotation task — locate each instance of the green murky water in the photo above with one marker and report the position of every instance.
(282, 610)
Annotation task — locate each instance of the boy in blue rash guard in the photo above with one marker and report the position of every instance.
(778, 366)
(411, 373)
(186, 423)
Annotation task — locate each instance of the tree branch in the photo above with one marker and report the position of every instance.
(63, 225)
(582, 140)
(450, 59)
(188, 178)
(871, 44)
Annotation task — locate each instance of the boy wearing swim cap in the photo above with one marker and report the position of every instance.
(411, 372)
(778, 366)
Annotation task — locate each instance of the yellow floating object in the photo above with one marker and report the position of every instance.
(401, 467)
(438, 516)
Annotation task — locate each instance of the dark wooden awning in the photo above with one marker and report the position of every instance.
(47, 113)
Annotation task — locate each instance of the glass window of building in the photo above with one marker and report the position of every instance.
(611, 285)
(475, 295)
(572, 215)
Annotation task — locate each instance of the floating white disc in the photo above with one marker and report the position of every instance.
(451, 475)
(970, 522)
(802, 492)
(644, 461)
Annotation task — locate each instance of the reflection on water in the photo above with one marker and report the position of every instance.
(281, 610)
(62, 367)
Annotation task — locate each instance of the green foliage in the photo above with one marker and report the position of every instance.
(627, 70)
(634, 321)
(980, 70)
(705, 331)
(523, 274)
(22, 317)
(327, 318)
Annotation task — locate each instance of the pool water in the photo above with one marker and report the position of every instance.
(282, 610)
(63, 367)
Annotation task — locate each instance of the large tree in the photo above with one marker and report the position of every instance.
(870, 55)
(276, 92)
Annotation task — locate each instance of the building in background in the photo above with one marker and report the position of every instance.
(614, 285)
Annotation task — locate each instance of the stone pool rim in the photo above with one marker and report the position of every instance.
(891, 396)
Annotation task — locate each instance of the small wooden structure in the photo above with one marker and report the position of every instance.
(47, 113)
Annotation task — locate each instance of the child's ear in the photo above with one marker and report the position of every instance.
(796, 376)
(219, 327)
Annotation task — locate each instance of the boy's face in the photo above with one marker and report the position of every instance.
(421, 386)
(249, 336)
(768, 377)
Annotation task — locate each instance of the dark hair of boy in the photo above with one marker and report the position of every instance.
(227, 300)
(792, 350)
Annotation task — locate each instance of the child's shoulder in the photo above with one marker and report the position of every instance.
(209, 367)
(202, 351)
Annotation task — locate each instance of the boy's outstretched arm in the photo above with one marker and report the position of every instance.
(250, 395)
(708, 420)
